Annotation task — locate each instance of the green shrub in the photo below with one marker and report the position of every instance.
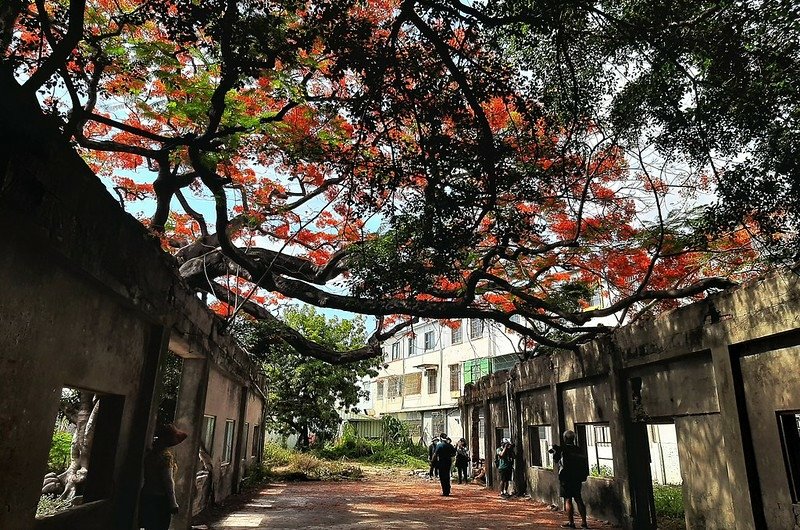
(668, 500)
(601, 471)
(275, 455)
(396, 450)
(285, 464)
(396, 456)
(58, 460)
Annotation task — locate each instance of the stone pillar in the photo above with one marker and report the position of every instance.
(189, 418)
(520, 474)
(488, 428)
(142, 419)
(725, 370)
(632, 452)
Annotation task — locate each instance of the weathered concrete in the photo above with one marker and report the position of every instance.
(90, 301)
(720, 369)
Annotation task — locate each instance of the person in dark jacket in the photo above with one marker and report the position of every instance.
(462, 460)
(433, 471)
(443, 457)
(573, 469)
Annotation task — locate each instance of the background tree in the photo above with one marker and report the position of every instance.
(306, 395)
(413, 158)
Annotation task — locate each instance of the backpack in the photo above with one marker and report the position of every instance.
(574, 465)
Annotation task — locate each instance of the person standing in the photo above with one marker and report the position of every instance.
(443, 457)
(462, 459)
(433, 470)
(157, 501)
(505, 465)
(573, 470)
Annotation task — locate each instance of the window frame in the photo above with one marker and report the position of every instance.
(457, 333)
(397, 352)
(429, 340)
(538, 457)
(245, 440)
(228, 440)
(433, 383)
(256, 434)
(455, 376)
(476, 331)
(789, 433)
(209, 443)
(412, 345)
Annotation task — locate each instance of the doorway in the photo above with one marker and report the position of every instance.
(665, 470)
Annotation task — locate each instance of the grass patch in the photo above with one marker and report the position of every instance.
(284, 464)
(669, 501)
(376, 453)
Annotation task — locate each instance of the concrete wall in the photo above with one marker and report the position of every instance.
(721, 370)
(61, 330)
(223, 402)
(772, 384)
(89, 301)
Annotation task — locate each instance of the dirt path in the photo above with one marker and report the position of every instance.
(385, 501)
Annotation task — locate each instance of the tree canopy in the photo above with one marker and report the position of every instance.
(506, 159)
(305, 395)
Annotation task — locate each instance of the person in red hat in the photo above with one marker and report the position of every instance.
(158, 502)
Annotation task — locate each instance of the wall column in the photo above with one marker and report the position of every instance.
(488, 429)
(729, 408)
(632, 452)
(189, 418)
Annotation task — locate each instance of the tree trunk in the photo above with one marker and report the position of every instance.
(85, 421)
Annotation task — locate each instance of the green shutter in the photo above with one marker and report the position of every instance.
(474, 369)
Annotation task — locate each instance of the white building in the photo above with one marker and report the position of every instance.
(426, 369)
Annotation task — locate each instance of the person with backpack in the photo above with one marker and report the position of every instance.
(504, 460)
(573, 468)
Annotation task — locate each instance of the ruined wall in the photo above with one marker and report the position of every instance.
(223, 401)
(723, 370)
(91, 301)
(61, 330)
(772, 384)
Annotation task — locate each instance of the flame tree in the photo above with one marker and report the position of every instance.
(399, 159)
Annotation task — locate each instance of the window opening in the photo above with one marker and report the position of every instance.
(379, 390)
(80, 465)
(455, 378)
(456, 334)
(665, 471)
(540, 439)
(256, 434)
(475, 328)
(412, 346)
(430, 340)
(207, 438)
(227, 449)
(437, 423)
(596, 439)
(432, 382)
(789, 426)
(245, 439)
(396, 353)
(395, 387)
(170, 370)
